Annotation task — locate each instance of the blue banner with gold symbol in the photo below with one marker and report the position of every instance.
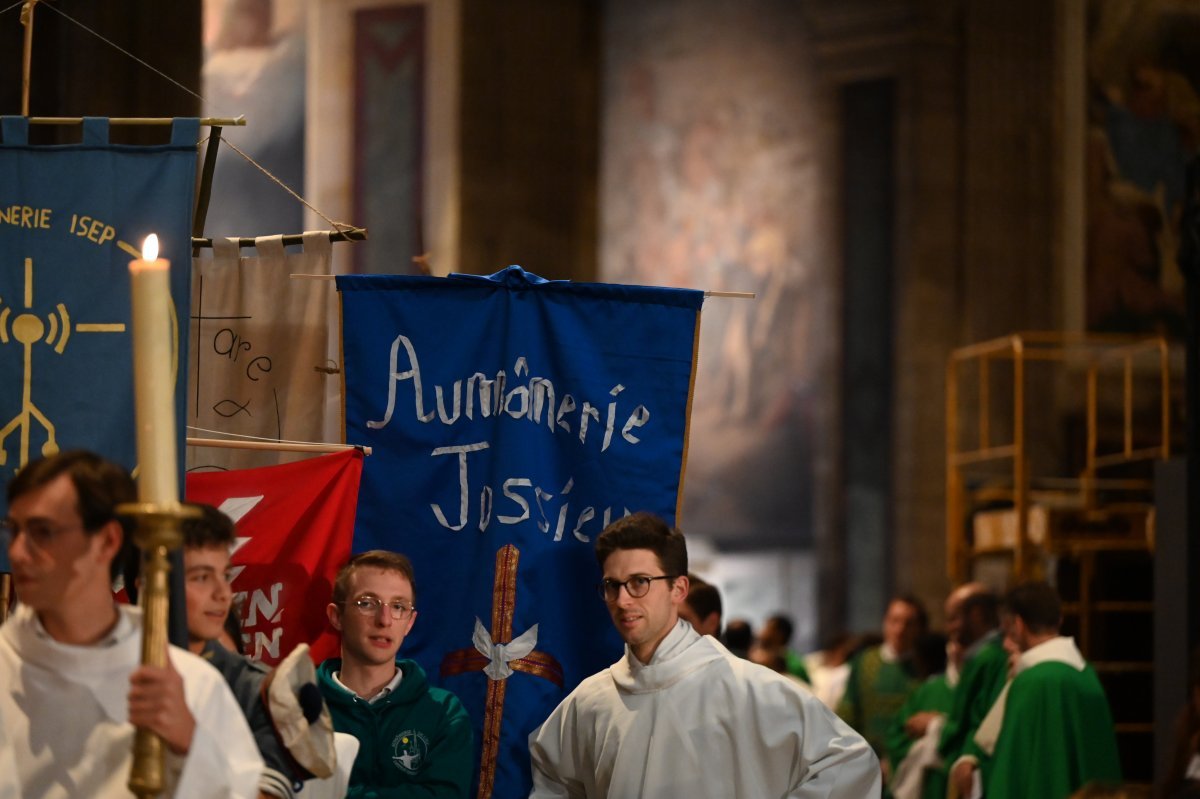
(511, 419)
(72, 217)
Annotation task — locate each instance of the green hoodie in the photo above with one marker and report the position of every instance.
(417, 738)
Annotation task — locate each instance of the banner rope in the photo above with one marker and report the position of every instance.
(259, 442)
(338, 226)
(121, 49)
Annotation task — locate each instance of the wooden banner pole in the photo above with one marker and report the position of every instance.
(27, 63)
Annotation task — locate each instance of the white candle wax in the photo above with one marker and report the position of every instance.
(154, 391)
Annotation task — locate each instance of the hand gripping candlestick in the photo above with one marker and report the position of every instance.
(158, 511)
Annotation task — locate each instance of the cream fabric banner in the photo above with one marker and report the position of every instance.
(260, 350)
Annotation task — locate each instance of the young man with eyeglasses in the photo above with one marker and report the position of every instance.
(679, 715)
(72, 686)
(411, 735)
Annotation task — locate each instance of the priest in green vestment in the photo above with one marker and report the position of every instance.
(1051, 731)
(912, 739)
(973, 622)
(883, 677)
(773, 648)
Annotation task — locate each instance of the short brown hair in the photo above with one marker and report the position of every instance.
(213, 529)
(375, 558)
(100, 486)
(644, 530)
(918, 609)
(1037, 604)
(703, 598)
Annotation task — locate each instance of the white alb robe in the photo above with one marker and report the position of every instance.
(64, 711)
(697, 721)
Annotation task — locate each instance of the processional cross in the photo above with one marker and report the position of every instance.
(497, 655)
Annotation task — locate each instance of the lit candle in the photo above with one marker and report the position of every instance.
(154, 390)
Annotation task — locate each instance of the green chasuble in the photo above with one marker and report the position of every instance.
(794, 663)
(936, 695)
(1057, 735)
(983, 676)
(875, 692)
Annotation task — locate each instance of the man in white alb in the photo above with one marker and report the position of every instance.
(679, 715)
(71, 684)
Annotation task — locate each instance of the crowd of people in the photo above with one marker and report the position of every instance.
(1000, 705)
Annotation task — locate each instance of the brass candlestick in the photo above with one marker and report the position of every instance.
(5, 595)
(159, 530)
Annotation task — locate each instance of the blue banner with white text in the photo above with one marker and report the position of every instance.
(511, 419)
(72, 217)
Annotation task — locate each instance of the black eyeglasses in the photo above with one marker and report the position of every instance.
(370, 605)
(636, 586)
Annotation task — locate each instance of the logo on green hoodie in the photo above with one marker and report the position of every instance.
(409, 749)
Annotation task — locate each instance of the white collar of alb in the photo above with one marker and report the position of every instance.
(1057, 650)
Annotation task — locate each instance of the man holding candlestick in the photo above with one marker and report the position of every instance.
(72, 684)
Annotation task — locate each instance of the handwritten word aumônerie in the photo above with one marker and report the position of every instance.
(531, 400)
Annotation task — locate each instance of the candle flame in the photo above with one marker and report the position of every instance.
(150, 248)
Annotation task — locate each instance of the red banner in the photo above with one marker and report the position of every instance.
(295, 523)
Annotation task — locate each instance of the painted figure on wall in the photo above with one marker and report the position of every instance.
(1144, 128)
(710, 173)
(254, 65)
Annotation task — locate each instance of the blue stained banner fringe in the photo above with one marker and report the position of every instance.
(72, 217)
(502, 410)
